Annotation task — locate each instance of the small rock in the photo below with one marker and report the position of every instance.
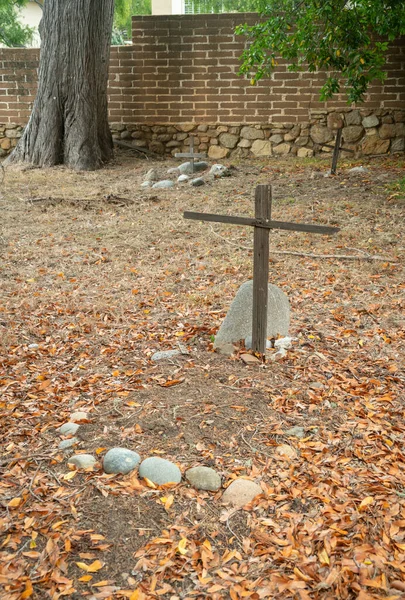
(218, 171)
(204, 478)
(120, 460)
(78, 416)
(197, 182)
(82, 461)
(295, 431)
(356, 170)
(33, 346)
(282, 353)
(160, 471)
(164, 355)
(187, 168)
(69, 428)
(241, 492)
(249, 359)
(66, 444)
(316, 385)
(173, 170)
(182, 178)
(200, 166)
(286, 450)
(284, 342)
(146, 184)
(248, 343)
(164, 184)
(151, 175)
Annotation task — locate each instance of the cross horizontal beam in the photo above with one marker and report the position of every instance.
(322, 229)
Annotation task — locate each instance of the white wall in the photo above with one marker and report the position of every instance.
(31, 14)
(167, 7)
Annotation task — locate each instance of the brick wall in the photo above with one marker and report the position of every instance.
(183, 69)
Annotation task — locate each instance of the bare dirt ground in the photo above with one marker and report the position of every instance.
(96, 275)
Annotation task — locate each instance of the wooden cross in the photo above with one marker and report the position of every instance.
(191, 155)
(336, 150)
(262, 223)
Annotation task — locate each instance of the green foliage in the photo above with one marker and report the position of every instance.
(12, 32)
(124, 9)
(347, 38)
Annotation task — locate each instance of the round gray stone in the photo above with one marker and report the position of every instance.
(67, 444)
(241, 492)
(165, 183)
(197, 182)
(164, 355)
(69, 428)
(82, 461)
(159, 470)
(204, 478)
(120, 460)
(182, 178)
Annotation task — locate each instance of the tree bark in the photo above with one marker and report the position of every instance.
(69, 120)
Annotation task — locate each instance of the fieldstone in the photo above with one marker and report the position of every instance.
(302, 140)
(399, 116)
(13, 133)
(244, 143)
(400, 129)
(173, 144)
(261, 148)
(82, 461)
(276, 139)
(374, 145)
(228, 140)
(217, 171)
(398, 145)
(78, 416)
(187, 127)
(284, 343)
(202, 128)
(237, 324)
(183, 178)
(160, 471)
(164, 184)
(321, 134)
(286, 450)
(371, 121)
(151, 175)
(282, 149)
(305, 152)
(295, 431)
(240, 492)
(249, 359)
(226, 349)
(69, 428)
(200, 166)
(164, 355)
(293, 133)
(197, 182)
(146, 184)
(216, 152)
(353, 117)
(358, 170)
(66, 444)
(250, 133)
(386, 132)
(187, 167)
(173, 171)
(352, 133)
(33, 346)
(120, 460)
(335, 120)
(5, 144)
(203, 478)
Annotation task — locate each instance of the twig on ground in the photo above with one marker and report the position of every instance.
(31, 484)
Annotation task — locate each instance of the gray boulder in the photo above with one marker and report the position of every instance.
(164, 184)
(164, 355)
(160, 471)
(203, 478)
(120, 460)
(69, 428)
(82, 461)
(197, 182)
(241, 492)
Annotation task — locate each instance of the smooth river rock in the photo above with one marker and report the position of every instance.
(203, 478)
(160, 471)
(82, 461)
(69, 428)
(241, 492)
(120, 460)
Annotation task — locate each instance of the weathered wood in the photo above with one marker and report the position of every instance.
(336, 151)
(261, 269)
(322, 229)
(191, 155)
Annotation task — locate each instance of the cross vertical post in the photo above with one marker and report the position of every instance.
(261, 268)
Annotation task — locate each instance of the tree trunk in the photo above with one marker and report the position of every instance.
(69, 121)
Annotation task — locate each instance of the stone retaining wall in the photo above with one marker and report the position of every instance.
(366, 132)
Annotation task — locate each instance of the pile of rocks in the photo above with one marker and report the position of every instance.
(185, 173)
(158, 470)
(10, 133)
